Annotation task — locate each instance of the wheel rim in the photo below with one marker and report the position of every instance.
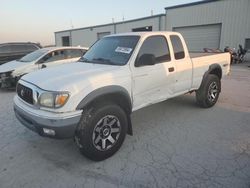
(106, 132)
(213, 91)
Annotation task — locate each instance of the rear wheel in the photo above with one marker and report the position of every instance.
(208, 93)
(101, 131)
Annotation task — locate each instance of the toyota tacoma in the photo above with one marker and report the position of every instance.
(92, 100)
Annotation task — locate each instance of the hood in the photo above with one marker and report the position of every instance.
(71, 76)
(12, 65)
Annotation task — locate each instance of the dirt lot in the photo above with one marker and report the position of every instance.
(175, 144)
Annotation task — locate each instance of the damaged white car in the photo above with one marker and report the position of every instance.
(12, 71)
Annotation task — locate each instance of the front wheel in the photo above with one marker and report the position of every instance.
(208, 93)
(101, 131)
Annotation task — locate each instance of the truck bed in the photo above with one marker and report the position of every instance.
(200, 54)
(202, 61)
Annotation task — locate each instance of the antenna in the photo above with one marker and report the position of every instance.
(71, 24)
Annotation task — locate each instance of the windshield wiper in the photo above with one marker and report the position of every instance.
(105, 61)
(20, 60)
(83, 59)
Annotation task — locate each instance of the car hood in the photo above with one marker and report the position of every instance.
(73, 76)
(12, 65)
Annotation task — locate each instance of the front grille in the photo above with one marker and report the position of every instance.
(25, 93)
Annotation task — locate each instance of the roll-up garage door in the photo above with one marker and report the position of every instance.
(202, 36)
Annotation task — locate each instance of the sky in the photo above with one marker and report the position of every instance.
(37, 20)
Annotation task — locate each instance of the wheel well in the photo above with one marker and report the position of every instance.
(120, 99)
(217, 72)
(116, 98)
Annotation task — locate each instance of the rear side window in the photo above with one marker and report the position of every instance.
(157, 46)
(54, 56)
(31, 47)
(177, 47)
(73, 53)
(17, 48)
(5, 49)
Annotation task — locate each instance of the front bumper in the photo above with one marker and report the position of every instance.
(62, 126)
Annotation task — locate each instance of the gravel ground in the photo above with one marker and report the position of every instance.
(175, 144)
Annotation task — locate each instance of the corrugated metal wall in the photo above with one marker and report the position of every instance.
(199, 37)
(87, 36)
(232, 14)
(157, 23)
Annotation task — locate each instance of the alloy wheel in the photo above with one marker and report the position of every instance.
(106, 132)
(213, 91)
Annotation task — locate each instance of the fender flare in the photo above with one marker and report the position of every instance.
(109, 90)
(211, 69)
(106, 90)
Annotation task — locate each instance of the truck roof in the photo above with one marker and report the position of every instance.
(14, 43)
(144, 34)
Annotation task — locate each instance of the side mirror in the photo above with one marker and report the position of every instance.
(43, 66)
(145, 59)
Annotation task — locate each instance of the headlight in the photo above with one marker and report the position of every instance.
(53, 100)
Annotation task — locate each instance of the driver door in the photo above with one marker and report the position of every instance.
(155, 82)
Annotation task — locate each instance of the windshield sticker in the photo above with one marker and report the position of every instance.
(123, 50)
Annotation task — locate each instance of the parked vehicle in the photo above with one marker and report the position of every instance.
(233, 54)
(12, 71)
(92, 100)
(12, 51)
(241, 54)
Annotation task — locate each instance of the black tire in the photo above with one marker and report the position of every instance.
(209, 91)
(97, 121)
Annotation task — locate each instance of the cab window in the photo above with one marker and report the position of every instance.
(156, 46)
(177, 47)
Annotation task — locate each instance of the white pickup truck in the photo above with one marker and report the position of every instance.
(91, 100)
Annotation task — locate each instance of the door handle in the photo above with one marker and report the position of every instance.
(171, 69)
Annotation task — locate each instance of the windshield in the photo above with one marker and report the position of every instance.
(33, 55)
(111, 50)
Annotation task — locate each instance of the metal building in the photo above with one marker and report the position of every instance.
(88, 35)
(211, 24)
(204, 24)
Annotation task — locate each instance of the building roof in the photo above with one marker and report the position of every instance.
(191, 4)
(127, 21)
(144, 34)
